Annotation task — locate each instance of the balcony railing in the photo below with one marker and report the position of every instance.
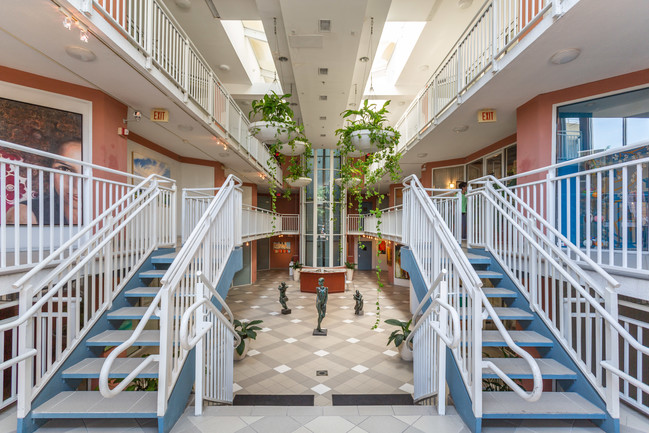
(151, 27)
(498, 25)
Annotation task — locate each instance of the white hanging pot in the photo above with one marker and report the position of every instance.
(349, 184)
(299, 182)
(271, 132)
(361, 140)
(296, 149)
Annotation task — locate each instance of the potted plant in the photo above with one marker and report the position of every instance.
(296, 270)
(368, 135)
(350, 270)
(246, 330)
(296, 173)
(399, 337)
(276, 124)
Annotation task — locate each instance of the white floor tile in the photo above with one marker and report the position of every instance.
(321, 389)
(360, 368)
(282, 368)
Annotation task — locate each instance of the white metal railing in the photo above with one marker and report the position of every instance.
(58, 309)
(8, 352)
(206, 250)
(150, 26)
(390, 223)
(633, 362)
(428, 333)
(256, 222)
(598, 204)
(355, 224)
(47, 199)
(436, 249)
(580, 312)
(449, 204)
(497, 26)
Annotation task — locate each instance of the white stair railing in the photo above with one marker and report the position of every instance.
(435, 249)
(204, 255)
(580, 312)
(58, 309)
(51, 202)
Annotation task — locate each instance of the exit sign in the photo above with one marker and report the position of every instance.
(485, 116)
(159, 115)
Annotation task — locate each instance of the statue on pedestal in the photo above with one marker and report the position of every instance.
(322, 294)
(358, 308)
(283, 298)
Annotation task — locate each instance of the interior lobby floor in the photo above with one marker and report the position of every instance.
(286, 355)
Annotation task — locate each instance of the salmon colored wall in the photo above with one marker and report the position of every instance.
(281, 260)
(535, 117)
(108, 148)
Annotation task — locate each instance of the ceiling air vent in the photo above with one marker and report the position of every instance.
(323, 97)
(323, 71)
(324, 26)
(323, 117)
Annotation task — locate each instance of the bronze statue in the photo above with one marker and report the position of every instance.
(283, 298)
(358, 308)
(322, 294)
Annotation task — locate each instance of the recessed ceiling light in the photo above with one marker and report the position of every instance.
(186, 128)
(364, 59)
(183, 4)
(224, 67)
(422, 155)
(462, 128)
(562, 57)
(282, 59)
(463, 4)
(80, 53)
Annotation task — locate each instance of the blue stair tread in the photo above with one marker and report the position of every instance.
(117, 337)
(521, 338)
(164, 258)
(499, 292)
(142, 292)
(91, 404)
(508, 313)
(518, 368)
(489, 274)
(129, 313)
(476, 259)
(89, 368)
(153, 273)
(551, 405)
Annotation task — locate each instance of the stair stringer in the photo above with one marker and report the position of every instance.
(581, 385)
(234, 265)
(57, 384)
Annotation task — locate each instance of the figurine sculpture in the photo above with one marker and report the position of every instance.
(283, 298)
(322, 293)
(358, 308)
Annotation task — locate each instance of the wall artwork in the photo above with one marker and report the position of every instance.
(398, 271)
(281, 247)
(145, 166)
(55, 198)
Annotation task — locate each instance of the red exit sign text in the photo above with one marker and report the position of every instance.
(486, 116)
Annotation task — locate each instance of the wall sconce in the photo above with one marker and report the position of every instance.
(451, 185)
(83, 35)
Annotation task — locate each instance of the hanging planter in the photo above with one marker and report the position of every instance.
(299, 182)
(272, 132)
(368, 140)
(355, 181)
(294, 148)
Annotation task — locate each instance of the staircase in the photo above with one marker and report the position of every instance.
(567, 394)
(72, 393)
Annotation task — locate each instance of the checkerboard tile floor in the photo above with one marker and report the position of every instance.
(285, 356)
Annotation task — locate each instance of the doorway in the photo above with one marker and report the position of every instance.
(364, 255)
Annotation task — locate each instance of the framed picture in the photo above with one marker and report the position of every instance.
(145, 166)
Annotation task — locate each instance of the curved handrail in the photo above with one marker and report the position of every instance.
(465, 267)
(170, 279)
(433, 286)
(597, 268)
(50, 293)
(578, 287)
(84, 231)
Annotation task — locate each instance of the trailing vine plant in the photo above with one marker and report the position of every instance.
(276, 110)
(371, 167)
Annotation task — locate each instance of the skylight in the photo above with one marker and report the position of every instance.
(251, 45)
(395, 46)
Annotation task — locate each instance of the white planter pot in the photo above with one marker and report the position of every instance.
(238, 357)
(405, 352)
(361, 140)
(270, 132)
(298, 148)
(299, 182)
(350, 183)
(296, 275)
(350, 274)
